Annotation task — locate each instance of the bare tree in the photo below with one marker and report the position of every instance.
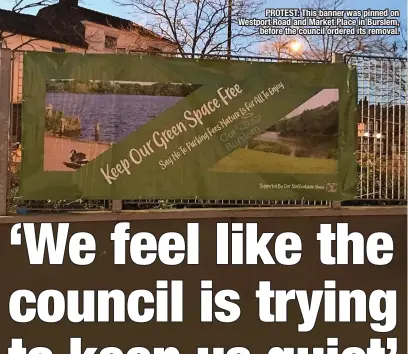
(400, 47)
(200, 27)
(20, 6)
(322, 46)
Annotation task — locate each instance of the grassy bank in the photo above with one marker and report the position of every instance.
(253, 161)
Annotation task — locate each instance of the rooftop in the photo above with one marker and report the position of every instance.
(37, 27)
(70, 10)
(51, 23)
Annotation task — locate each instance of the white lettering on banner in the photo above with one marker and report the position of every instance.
(167, 138)
(162, 139)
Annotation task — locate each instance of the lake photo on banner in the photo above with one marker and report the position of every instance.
(117, 114)
(84, 118)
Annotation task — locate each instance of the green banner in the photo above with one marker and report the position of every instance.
(127, 127)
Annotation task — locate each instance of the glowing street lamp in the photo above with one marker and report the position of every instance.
(295, 46)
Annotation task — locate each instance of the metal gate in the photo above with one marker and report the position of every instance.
(382, 151)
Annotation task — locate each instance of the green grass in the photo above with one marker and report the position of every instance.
(247, 160)
(272, 147)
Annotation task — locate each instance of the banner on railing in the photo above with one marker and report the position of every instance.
(129, 127)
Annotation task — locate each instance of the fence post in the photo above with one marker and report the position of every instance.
(336, 58)
(116, 206)
(5, 93)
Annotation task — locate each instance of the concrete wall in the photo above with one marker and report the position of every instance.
(274, 213)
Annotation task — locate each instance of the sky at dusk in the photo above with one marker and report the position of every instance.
(323, 98)
(107, 6)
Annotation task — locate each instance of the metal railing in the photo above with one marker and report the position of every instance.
(382, 153)
(382, 160)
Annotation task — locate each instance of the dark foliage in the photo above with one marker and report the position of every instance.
(322, 121)
(120, 88)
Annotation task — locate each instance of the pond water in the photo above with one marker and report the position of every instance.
(117, 115)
